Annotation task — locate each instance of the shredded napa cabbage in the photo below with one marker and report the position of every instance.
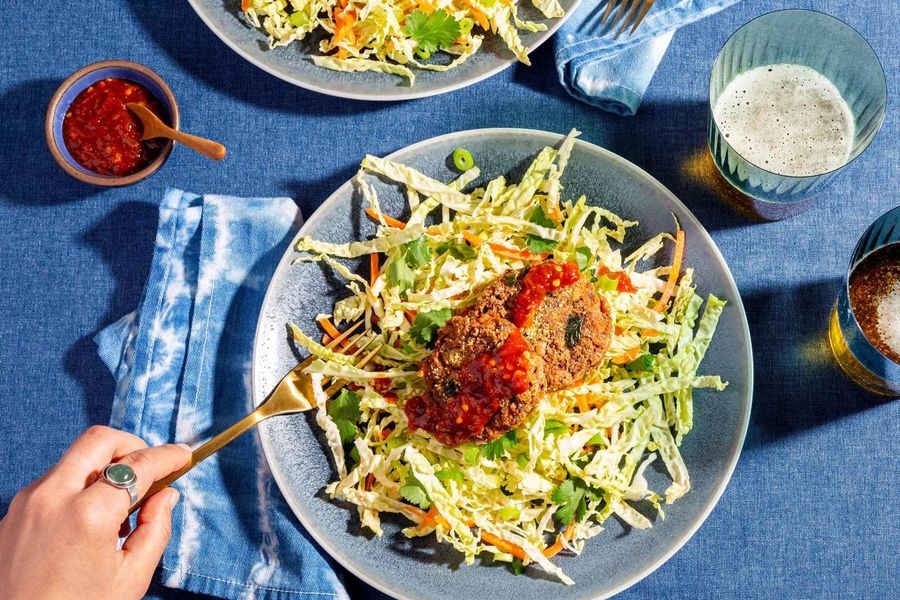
(395, 36)
(581, 456)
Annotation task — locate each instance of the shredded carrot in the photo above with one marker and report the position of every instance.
(435, 516)
(503, 545)
(650, 333)
(426, 6)
(373, 268)
(597, 401)
(626, 358)
(411, 315)
(325, 323)
(551, 551)
(501, 250)
(673, 274)
(326, 339)
(421, 514)
(245, 5)
(370, 481)
(473, 239)
(581, 400)
(480, 17)
(434, 230)
(342, 53)
(391, 221)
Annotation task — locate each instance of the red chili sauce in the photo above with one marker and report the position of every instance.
(105, 137)
(483, 383)
(623, 281)
(539, 281)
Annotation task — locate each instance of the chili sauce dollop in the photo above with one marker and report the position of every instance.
(483, 383)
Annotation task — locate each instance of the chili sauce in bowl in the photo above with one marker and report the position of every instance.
(94, 137)
(103, 136)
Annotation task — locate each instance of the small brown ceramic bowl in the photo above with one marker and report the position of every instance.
(80, 81)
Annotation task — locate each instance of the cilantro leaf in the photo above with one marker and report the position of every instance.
(417, 252)
(353, 456)
(457, 250)
(401, 275)
(344, 411)
(499, 447)
(517, 566)
(570, 498)
(594, 494)
(539, 218)
(414, 493)
(425, 326)
(539, 245)
(583, 256)
(554, 427)
(432, 32)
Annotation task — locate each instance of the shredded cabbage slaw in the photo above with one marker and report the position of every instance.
(580, 456)
(396, 36)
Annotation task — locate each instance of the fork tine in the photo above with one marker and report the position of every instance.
(610, 5)
(335, 387)
(309, 359)
(622, 6)
(631, 12)
(644, 8)
(344, 335)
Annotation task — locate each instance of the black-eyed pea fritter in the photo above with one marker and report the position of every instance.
(570, 326)
(535, 330)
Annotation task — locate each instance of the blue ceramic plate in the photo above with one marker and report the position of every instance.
(293, 63)
(422, 568)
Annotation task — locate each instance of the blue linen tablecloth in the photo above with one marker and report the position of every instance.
(812, 509)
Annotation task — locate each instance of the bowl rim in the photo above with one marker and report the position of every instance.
(105, 180)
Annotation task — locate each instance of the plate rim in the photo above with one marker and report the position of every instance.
(551, 138)
(501, 65)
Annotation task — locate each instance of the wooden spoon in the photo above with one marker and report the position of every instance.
(154, 128)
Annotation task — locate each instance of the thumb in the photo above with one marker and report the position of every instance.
(145, 546)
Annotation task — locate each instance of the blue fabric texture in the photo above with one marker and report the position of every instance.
(182, 367)
(612, 71)
(812, 509)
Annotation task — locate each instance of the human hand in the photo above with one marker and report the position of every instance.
(60, 537)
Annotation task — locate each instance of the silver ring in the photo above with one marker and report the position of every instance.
(122, 476)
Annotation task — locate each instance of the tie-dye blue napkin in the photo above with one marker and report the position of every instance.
(613, 71)
(182, 366)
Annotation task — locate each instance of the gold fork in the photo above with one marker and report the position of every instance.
(291, 395)
(635, 15)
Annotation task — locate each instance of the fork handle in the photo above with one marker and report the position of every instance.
(208, 449)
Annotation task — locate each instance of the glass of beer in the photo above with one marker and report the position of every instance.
(794, 96)
(865, 326)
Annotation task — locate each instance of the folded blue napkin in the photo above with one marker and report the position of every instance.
(613, 71)
(182, 366)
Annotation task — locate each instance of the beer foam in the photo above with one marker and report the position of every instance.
(787, 119)
(889, 317)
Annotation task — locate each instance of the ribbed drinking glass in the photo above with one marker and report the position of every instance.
(807, 38)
